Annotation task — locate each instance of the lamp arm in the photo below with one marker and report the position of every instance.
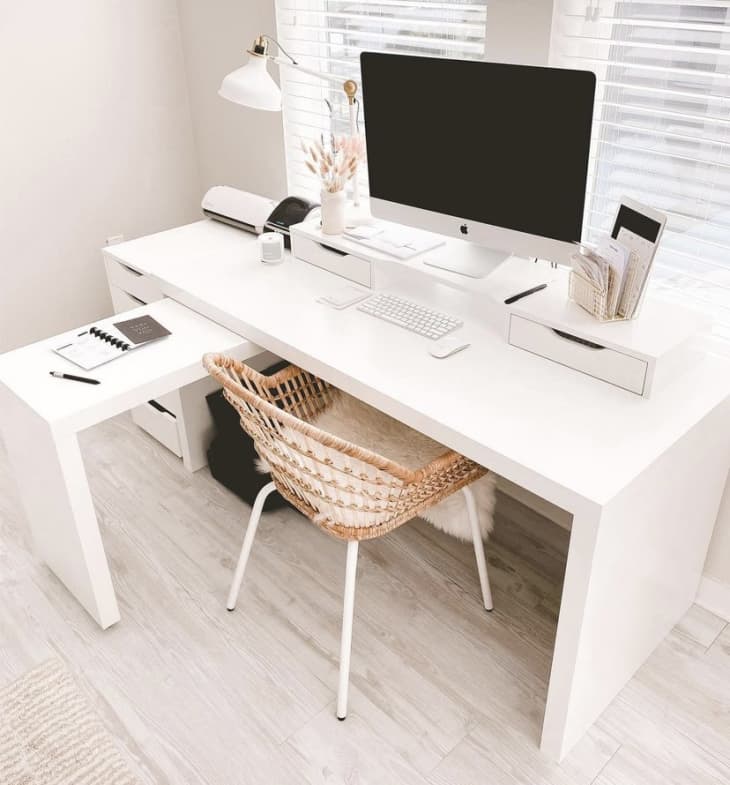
(261, 49)
(348, 85)
(296, 66)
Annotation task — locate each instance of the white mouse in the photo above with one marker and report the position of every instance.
(447, 346)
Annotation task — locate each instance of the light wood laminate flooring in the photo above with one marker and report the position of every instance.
(442, 693)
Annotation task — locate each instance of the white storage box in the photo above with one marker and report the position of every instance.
(634, 355)
(334, 253)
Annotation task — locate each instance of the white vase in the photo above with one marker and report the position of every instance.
(333, 212)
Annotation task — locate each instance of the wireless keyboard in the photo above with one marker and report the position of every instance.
(409, 315)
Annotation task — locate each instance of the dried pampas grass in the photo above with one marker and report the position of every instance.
(334, 161)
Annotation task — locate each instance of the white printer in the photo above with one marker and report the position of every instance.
(238, 208)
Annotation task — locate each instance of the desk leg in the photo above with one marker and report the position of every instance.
(55, 494)
(195, 426)
(633, 571)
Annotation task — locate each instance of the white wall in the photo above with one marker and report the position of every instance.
(518, 31)
(718, 559)
(236, 145)
(95, 140)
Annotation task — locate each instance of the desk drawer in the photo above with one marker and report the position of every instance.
(123, 301)
(353, 268)
(160, 424)
(609, 365)
(129, 280)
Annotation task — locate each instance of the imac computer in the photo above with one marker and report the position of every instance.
(491, 153)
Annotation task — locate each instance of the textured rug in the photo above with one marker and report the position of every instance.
(50, 736)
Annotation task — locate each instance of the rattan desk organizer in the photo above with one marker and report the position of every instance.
(586, 294)
(594, 299)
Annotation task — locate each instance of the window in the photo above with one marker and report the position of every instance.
(662, 131)
(328, 36)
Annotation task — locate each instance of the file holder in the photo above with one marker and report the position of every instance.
(595, 300)
(586, 294)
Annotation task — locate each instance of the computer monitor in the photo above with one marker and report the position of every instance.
(492, 153)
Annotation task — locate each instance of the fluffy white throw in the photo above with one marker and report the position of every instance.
(356, 422)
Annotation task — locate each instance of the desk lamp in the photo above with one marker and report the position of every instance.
(252, 86)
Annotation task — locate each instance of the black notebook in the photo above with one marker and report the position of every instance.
(99, 345)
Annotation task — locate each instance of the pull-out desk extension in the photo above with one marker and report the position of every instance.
(40, 419)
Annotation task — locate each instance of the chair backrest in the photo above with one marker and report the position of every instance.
(349, 491)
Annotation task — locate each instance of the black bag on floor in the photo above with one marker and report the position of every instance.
(231, 454)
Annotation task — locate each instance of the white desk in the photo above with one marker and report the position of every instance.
(642, 479)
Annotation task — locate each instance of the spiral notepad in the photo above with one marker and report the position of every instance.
(98, 345)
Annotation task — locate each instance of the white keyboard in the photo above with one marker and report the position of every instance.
(409, 315)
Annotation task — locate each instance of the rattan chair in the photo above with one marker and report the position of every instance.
(349, 492)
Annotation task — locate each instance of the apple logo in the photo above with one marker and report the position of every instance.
(464, 229)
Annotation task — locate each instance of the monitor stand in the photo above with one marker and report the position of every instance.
(468, 259)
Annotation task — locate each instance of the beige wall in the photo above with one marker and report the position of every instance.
(236, 145)
(95, 140)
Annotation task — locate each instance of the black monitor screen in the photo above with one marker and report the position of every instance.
(505, 145)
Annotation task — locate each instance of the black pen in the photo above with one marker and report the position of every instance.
(516, 297)
(73, 378)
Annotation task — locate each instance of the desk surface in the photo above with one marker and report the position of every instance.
(572, 439)
(125, 382)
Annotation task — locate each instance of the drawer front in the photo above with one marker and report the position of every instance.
(123, 301)
(160, 424)
(350, 267)
(171, 402)
(345, 265)
(617, 368)
(129, 280)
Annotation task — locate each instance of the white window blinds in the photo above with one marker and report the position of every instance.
(328, 36)
(662, 130)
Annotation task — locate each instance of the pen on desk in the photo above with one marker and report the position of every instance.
(516, 297)
(59, 375)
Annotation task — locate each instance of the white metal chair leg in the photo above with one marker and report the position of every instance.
(253, 523)
(478, 548)
(346, 640)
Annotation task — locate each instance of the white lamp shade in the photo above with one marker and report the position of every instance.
(252, 86)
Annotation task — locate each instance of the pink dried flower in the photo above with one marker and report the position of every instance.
(334, 161)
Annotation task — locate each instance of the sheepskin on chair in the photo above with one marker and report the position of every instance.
(356, 422)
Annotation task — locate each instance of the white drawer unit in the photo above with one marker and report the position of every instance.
(123, 301)
(609, 365)
(639, 355)
(171, 402)
(180, 420)
(134, 283)
(321, 253)
(160, 423)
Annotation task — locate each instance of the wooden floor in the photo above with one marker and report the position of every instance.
(442, 693)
